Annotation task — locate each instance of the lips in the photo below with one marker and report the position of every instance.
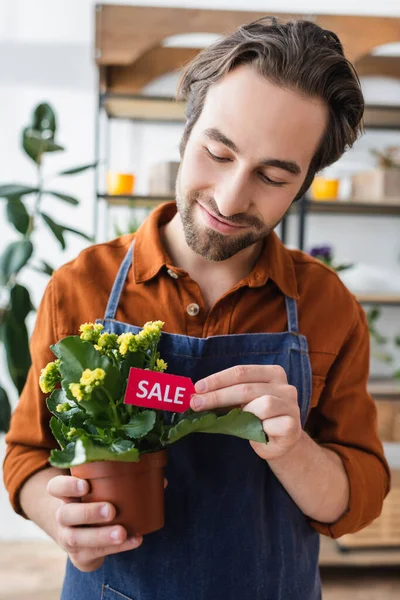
(228, 223)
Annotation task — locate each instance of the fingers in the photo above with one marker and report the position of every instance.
(89, 559)
(77, 533)
(242, 374)
(66, 487)
(242, 394)
(269, 407)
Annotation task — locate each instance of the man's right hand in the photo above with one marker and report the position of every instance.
(86, 546)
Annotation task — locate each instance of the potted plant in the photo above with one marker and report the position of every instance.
(381, 184)
(27, 206)
(121, 448)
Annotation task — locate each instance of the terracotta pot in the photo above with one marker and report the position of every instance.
(136, 489)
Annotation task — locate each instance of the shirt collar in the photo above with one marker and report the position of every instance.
(275, 261)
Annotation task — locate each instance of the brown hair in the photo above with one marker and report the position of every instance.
(297, 55)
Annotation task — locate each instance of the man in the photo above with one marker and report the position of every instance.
(254, 324)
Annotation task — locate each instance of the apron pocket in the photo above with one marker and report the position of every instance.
(108, 593)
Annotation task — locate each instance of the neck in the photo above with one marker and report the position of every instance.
(213, 278)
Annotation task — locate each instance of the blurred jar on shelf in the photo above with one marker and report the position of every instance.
(120, 184)
(325, 188)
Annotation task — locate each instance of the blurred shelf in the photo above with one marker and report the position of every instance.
(382, 117)
(314, 206)
(383, 300)
(143, 108)
(384, 388)
(353, 208)
(136, 200)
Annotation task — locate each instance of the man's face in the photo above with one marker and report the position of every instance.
(246, 159)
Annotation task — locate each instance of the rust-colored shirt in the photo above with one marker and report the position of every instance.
(342, 415)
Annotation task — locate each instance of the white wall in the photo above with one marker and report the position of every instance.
(46, 55)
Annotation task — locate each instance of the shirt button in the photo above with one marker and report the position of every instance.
(193, 309)
(172, 274)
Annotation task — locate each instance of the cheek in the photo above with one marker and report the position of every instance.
(196, 171)
(274, 203)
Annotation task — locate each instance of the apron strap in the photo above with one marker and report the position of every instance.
(291, 309)
(119, 283)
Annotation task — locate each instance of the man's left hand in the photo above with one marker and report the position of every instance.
(262, 390)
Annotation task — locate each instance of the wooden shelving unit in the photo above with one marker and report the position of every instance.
(353, 208)
(143, 108)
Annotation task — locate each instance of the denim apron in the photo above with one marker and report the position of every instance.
(231, 530)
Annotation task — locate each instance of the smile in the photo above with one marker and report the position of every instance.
(217, 224)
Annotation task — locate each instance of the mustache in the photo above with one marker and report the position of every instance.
(239, 219)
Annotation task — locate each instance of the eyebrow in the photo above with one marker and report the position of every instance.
(286, 165)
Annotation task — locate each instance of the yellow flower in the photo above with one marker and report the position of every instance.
(76, 391)
(60, 408)
(71, 433)
(107, 340)
(94, 377)
(50, 376)
(126, 343)
(90, 332)
(161, 365)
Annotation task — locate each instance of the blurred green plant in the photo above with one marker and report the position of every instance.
(133, 224)
(388, 158)
(24, 212)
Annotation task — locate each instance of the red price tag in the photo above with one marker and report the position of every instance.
(158, 390)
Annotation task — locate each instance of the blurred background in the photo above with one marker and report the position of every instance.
(89, 145)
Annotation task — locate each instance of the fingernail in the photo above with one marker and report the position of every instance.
(200, 386)
(115, 534)
(135, 541)
(81, 485)
(105, 511)
(197, 402)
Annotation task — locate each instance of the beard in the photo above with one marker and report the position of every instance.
(211, 244)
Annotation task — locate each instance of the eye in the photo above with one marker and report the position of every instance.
(216, 158)
(271, 181)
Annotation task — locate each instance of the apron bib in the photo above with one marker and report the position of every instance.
(231, 530)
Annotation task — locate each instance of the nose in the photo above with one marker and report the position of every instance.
(233, 195)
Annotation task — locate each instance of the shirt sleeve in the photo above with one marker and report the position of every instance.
(29, 439)
(345, 421)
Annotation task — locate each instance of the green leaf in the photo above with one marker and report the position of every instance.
(16, 343)
(84, 450)
(65, 197)
(56, 429)
(59, 230)
(77, 355)
(238, 423)
(56, 229)
(14, 258)
(18, 215)
(133, 359)
(35, 145)
(140, 424)
(60, 397)
(15, 190)
(76, 170)
(5, 411)
(21, 304)
(44, 268)
(44, 119)
(80, 233)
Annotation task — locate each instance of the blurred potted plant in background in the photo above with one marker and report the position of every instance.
(24, 211)
(382, 183)
(325, 255)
